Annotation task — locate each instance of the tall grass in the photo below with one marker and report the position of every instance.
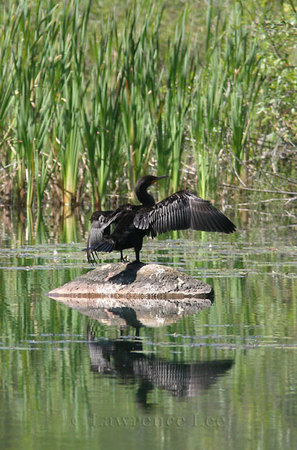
(85, 112)
(225, 96)
(100, 119)
(172, 126)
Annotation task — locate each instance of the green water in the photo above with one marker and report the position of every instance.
(222, 378)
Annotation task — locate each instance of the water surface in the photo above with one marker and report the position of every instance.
(222, 378)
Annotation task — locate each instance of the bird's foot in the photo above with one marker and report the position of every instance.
(124, 259)
(93, 258)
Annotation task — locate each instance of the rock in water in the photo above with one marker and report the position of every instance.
(150, 292)
(135, 280)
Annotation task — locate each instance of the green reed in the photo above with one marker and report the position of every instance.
(100, 120)
(69, 112)
(225, 96)
(32, 104)
(243, 70)
(173, 120)
(141, 82)
(85, 111)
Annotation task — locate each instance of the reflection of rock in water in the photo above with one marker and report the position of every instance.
(121, 359)
(144, 312)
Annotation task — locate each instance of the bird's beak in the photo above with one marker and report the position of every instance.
(161, 176)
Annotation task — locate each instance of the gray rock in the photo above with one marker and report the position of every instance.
(135, 294)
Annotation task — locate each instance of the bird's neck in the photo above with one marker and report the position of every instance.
(144, 197)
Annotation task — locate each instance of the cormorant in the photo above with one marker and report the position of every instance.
(179, 211)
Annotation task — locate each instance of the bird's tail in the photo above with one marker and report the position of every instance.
(105, 245)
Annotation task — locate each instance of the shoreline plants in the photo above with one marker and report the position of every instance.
(88, 106)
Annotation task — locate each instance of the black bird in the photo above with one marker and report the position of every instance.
(179, 211)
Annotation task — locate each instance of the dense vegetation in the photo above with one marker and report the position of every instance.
(89, 102)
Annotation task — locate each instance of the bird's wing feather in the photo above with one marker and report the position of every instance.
(101, 221)
(95, 236)
(100, 216)
(180, 211)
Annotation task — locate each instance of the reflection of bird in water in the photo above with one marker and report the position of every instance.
(131, 223)
(125, 360)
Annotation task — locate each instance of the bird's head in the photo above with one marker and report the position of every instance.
(141, 186)
(148, 180)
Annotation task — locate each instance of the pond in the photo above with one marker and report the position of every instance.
(224, 377)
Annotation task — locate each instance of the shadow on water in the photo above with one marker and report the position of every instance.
(125, 361)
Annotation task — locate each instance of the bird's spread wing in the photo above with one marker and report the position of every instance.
(100, 229)
(101, 221)
(180, 211)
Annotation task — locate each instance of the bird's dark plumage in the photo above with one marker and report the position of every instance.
(179, 211)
